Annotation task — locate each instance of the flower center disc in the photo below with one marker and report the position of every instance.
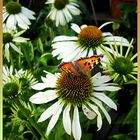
(90, 37)
(60, 4)
(74, 89)
(7, 37)
(13, 7)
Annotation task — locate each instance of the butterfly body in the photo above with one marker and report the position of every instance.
(81, 66)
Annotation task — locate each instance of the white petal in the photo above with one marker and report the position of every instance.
(5, 15)
(15, 48)
(106, 23)
(83, 26)
(67, 14)
(11, 22)
(64, 38)
(75, 27)
(54, 119)
(28, 13)
(20, 39)
(43, 97)
(50, 80)
(100, 80)
(39, 86)
(67, 120)
(19, 33)
(105, 99)
(90, 114)
(21, 22)
(52, 14)
(97, 102)
(76, 127)
(99, 117)
(24, 18)
(107, 34)
(117, 40)
(49, 112)
(106, 88)
(73, 10)
(6, 52)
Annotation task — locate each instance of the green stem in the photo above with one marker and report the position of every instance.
(26, 113)
(32, 131)
(71, 137)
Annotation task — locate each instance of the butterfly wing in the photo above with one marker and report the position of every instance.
(86, 64)
(69, 68)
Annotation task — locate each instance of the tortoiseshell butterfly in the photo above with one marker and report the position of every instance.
(81, 66)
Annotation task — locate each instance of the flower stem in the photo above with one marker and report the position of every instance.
(71, 137)
(27, 114)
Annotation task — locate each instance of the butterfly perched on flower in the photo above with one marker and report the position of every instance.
(81, 66)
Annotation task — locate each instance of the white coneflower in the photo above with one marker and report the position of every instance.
(10, 40)
(120, 65)
(71, 94)
(15, 14)
(62, 11)
(88, 42)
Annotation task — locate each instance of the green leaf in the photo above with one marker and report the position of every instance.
(40, 45)
(28, 52)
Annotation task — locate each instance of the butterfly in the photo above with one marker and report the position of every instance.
(81, 66)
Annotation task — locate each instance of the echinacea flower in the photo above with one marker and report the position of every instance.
(26, 78)
(62, 11)
(15, 14)
(10, 82)
(121, 65)
(10, 40)
(71, 94)
(16, 81)
(88, 42)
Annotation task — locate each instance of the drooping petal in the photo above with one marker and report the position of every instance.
(43, 97)
(54, 119)
(6, 52)
(49, 111)
(67, 120)
(118, 40)
(99, 117)
(99, 103)
(16, 48)
(89, 114)
(105, 99)
(28, 13)
(11, 22)
(76, 127)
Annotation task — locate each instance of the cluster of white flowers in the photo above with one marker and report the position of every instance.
(88, 41)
